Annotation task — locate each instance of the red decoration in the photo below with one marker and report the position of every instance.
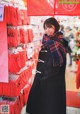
(66, 7)
(78, 76)
(40, 7)
(53, 7)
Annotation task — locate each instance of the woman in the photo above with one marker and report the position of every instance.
(48, 95)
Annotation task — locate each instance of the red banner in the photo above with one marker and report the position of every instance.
(40, 7)
(3, 53)
(53, 7)
(67, 7)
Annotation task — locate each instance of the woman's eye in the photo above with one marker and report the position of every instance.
(45, 28)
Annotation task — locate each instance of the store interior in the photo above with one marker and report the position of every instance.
(22, 35)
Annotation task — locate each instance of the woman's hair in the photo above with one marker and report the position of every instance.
(51, 21)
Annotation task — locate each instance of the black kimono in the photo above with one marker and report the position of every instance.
(48, 94)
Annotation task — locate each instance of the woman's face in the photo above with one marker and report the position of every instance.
(50, 30)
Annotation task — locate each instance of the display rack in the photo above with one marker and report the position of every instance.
(24, 44)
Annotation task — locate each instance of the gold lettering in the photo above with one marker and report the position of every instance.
(69, 1)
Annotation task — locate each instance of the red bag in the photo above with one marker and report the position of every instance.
(78, 76)
(26, 93)
(30, 35)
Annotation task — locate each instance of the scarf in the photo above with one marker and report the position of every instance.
(57, 48)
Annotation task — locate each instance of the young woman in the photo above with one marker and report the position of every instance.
(48, 94)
